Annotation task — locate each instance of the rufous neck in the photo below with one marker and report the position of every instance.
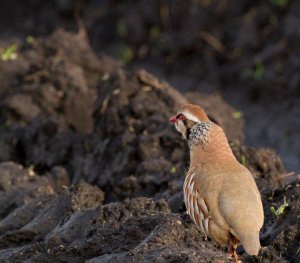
(213, 150)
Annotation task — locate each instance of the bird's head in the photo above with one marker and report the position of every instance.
(189, 116)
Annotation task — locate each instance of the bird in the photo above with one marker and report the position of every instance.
(220, 194)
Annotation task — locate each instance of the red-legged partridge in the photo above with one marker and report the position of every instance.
(220, 194)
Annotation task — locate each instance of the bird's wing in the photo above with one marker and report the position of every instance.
(195, 203)
(242, 209)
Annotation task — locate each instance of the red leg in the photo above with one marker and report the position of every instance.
(232, 252)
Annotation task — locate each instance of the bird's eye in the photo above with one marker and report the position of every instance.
(180, 117)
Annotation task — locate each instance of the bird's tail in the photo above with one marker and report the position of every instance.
(251, 243)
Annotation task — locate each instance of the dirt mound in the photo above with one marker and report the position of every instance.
(74, 117)
(66, 228)
(107, 126)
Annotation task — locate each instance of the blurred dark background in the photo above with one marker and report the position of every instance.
(248, 51)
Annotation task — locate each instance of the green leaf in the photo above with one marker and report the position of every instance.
(259, 70)
(243, 160)
(280, 3)
(237, 114)
(29, 39)
(273, 211)
(280, 210)
(154, 32)
(9, 53)
(126, 54)
(122, 28)
(173, 170)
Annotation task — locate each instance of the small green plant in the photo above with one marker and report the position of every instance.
(280, 3)
(125, 53)
(273, 20)
(30, 39)
(154, 32)
(259, 257)
(280, 210)
(10, 53)
(122, 28)
(259, 69)
(243, 160)
(237, 114)
(271, 196)
(257, 72)
(173, 170)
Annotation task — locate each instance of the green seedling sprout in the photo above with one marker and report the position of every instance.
(30, 39)
(122, 28)
(237, 114)
(173, 170)
(10, 53)
(280, 3)
(259, 70)
(243, 160)
(280, 210)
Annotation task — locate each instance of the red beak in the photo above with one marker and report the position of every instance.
(173, 119)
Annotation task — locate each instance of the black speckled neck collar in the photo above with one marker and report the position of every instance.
(199, 134)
